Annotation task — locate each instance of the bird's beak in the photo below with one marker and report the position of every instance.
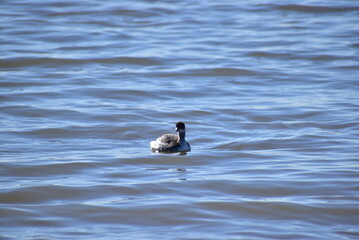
(176, 129)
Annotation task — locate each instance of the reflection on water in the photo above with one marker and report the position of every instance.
(268, 92)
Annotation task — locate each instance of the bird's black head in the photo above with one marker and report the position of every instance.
(180, 126)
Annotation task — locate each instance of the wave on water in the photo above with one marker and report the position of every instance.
(268, 91)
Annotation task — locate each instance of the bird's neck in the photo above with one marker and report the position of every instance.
(182, 136)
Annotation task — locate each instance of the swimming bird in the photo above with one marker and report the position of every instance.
(172, 142)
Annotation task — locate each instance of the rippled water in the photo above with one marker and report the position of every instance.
(268, 90)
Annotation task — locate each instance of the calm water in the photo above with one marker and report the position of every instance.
(268, 90)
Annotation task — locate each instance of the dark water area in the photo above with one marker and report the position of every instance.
(268, 91)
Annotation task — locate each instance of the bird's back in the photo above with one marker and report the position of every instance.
(165, 143)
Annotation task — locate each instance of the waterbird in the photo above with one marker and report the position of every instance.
(171, 143)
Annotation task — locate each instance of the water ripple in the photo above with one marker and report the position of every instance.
(268, 92)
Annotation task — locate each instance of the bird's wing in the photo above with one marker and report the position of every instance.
(168, 140)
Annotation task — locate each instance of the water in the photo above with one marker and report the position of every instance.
(268, 91)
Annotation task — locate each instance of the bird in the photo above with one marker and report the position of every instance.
(170, 143)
